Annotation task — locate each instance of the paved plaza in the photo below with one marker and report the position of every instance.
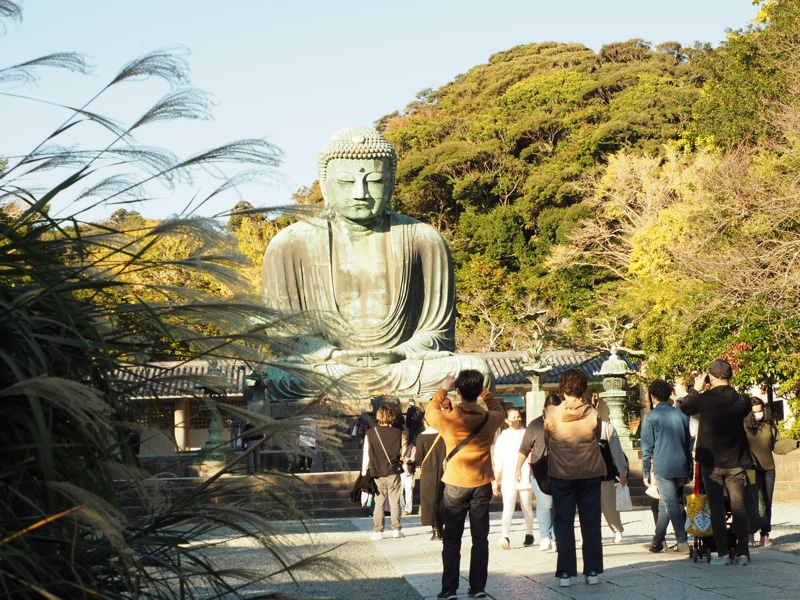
(631, 573)
(409, 568)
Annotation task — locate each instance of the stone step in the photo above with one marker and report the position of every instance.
(327, 494)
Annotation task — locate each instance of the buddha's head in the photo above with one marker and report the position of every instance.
(356, 173)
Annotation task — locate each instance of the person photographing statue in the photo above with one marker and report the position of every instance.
(468, 431)
(375, 289)
(723, 453)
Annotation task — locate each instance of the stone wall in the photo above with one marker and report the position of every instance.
(787, 477)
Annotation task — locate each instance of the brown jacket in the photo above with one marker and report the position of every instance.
(572, 433)
(472, 465)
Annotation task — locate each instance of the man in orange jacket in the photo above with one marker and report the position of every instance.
(468, 476)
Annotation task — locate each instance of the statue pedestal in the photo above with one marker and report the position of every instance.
(534, 400)
(534, 405)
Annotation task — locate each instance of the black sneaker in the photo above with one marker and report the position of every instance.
(447, 595)
(528, 541)
(476, 593)
(653, 547)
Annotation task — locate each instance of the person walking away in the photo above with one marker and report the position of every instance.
(666, 462)
(414, 417)
(381, 447)
(467, 477)
(723, 454)
(531, 449)
(307, 442)
(431, 452)
(399, 421)
(407, 457)
(506, 449)
(362, 425)
(572, 434)
(764, 439)
(616, 472)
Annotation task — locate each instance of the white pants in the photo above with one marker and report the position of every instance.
(407, 497)
(608, 504)
(510, 503)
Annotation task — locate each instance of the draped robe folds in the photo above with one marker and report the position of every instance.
(299, 278)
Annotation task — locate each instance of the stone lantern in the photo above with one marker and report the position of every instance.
(216, 453)
(614, 372)
(256, 380)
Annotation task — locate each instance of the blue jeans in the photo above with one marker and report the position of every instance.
(716, 480)
(585, 495)
(669, 510)
(544, 511)
(458, 502)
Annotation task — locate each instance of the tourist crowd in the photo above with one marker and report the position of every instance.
(571, 460)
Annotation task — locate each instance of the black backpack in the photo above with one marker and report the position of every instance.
(611, 469)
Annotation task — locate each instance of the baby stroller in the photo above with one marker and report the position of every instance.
(698, 523)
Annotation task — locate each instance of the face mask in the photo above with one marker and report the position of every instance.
(758, 416)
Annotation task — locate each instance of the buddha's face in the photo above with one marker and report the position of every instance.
(358, 189)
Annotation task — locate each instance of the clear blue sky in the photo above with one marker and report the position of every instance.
(294, 71)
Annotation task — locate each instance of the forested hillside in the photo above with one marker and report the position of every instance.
(501, 160)
(640, 195)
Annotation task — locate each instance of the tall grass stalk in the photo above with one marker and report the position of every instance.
(81, 304)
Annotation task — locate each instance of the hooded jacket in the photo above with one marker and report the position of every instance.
(572, 433)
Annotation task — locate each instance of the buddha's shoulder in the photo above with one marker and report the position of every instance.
(302, 230)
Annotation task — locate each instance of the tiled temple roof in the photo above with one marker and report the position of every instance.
(508, 370)
(178, 379)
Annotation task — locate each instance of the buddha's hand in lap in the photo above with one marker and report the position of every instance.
(366, 358)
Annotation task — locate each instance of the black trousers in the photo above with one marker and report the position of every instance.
(458, 503)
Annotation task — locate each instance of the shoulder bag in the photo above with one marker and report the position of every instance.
(541, 472)
(396, 465)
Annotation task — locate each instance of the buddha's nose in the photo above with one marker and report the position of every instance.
(359, 191)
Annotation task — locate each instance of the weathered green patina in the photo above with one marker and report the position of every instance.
(375, 289)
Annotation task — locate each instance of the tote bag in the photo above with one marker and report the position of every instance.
(698, 514)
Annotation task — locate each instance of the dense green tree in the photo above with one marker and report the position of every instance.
(500, 156)
(747, 77)
(495, 311)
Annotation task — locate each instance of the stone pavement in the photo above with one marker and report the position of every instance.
(631, 573)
